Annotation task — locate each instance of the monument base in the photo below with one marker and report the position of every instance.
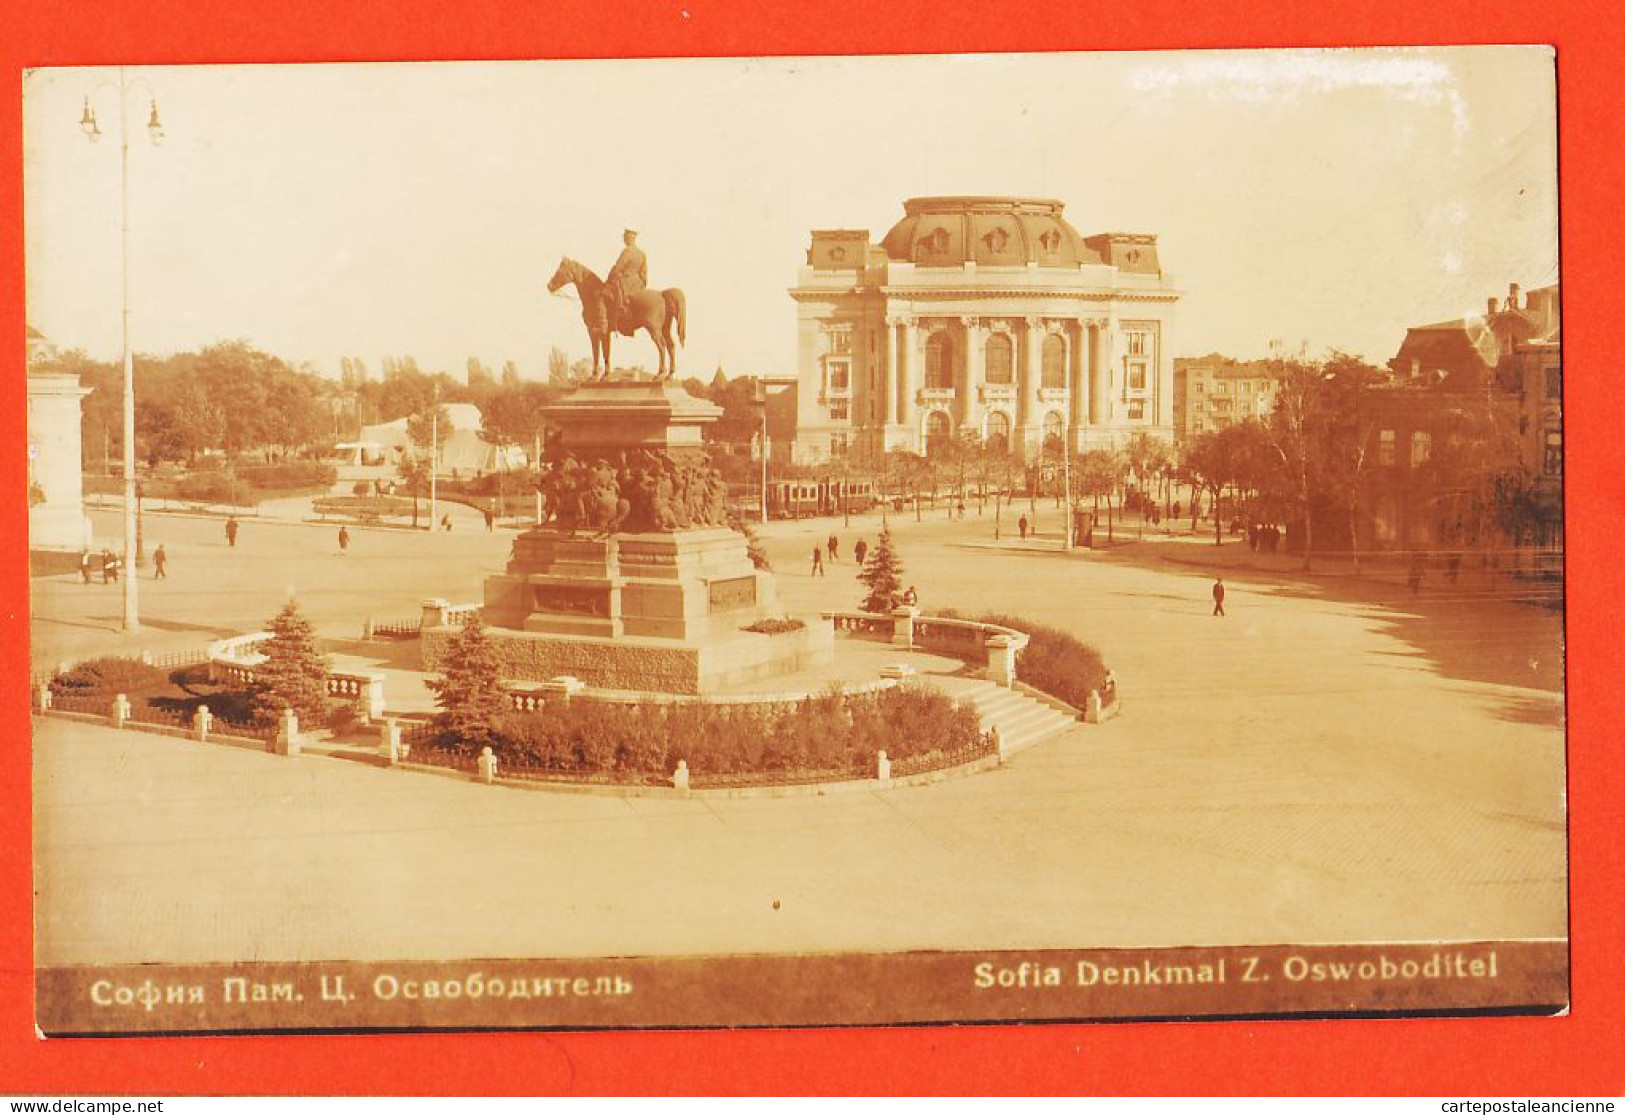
(649, 664)
(687, 585)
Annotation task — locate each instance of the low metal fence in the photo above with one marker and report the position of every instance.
(943, 760)
(397, 629)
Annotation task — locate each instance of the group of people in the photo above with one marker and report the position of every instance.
(1265, 538)
(111, 565)
(832, 546)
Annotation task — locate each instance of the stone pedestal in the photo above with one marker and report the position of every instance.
(682, 585)
(641, 609)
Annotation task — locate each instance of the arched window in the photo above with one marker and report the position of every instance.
(937, 431)
(998, 431)
(939, 361)
(999, 363)
(1054, 430)
(1054, 361)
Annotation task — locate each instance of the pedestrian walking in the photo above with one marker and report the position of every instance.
(490, 520)
(160, 564)
(84, 564)
(109, 567)
(1218, 596)
(860, 551)
(1021, 525)
(344, 539)
(231, 532)
(834, 545)
(445, 523)
(818, 563)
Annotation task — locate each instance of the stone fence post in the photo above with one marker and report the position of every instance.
(44, 690)
(488, 766)
(1001, 660)
(287, 734)
(121, 710)
(882, 768)
(434, 613)
(902, 626)
(372, 704)
(390, 735)
(562, 688)
(1093, 711)
(201, 723)
(679, 777)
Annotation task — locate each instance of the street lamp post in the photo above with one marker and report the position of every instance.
(155, 131)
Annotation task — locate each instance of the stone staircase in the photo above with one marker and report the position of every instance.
(1022, 720)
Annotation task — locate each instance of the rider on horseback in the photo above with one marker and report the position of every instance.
(627, 279)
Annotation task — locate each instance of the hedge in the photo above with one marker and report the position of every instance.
(289, 476)
(831, 734)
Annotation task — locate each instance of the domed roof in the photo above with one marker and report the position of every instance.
(991, 231)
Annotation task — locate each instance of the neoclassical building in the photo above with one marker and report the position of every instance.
(987, 314)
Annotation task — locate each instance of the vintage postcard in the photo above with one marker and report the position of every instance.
(796, 542)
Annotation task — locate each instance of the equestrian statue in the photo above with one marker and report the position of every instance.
(624, 304)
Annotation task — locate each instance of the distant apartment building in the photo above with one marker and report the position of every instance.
(1505, 368)
(1213, 391)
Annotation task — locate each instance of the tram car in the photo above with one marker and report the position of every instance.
(804, 499)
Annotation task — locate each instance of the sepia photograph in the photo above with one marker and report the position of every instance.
(802, 541)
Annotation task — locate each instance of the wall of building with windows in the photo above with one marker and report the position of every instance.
(986, 316)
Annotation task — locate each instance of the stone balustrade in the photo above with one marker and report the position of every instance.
(234, 660)
(969, 639)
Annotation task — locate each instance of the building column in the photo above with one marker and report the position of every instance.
(888, 377)
(907, 370)
(1032, 339)
(1075, 335)
(1100, 373)
(965, 393)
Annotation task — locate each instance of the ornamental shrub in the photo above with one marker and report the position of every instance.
(289, 476)
(212, 487)
(104, 677)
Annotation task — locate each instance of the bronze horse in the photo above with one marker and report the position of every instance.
(657, 311)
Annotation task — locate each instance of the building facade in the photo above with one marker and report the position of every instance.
(988, 315)
(1495, 378)
(1213, 391)
(56, 512)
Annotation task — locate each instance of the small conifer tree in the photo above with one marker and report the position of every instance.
(883, 573)
(469, 692)
(294, 673)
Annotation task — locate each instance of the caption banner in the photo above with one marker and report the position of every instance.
(853, 989)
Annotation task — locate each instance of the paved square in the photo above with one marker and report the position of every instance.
(1333, 761)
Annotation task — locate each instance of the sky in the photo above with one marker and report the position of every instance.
(1323, 198)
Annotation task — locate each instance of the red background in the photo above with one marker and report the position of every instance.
(1578, 1054)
